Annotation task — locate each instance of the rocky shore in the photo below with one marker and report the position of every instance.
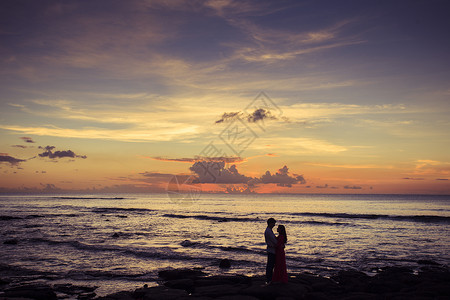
(432, 282)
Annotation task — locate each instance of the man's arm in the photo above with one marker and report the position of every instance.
(271, 240)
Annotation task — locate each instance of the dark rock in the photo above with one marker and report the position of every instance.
(190, 297)
(182, 284)
(159, 292)
(11, 242)
(435, 282)
(427, 262)
(359, 296)
(32, 291)
(392, 280)
(238, 297)
(225, 264)
(188, 243)
(292, 290)
(352, 280)
(219, 290)
(273, 291)
(315, 283)
(70, 289)
(180, 274)
(317, 296)
(222, 279)
(86, 296)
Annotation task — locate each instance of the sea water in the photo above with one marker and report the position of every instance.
(120, 242)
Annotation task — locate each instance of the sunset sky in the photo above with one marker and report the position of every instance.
(327, 96)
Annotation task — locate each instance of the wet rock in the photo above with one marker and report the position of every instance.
(159, 292)
(291, 290)
(4, 281)
(427, 262)
(392, 280)
(239, 297)
(188, 243)
(390, 283)
(218, 290)
(11, 242)
(31, 291)
(360, 295)
(275, 291)
(316, 296)
(315, 283)
(190, 297)
(352, 280)
(225, 264)
(86, 296)
(182, 284)
(222, 279)
(70, 289)
(180, 274)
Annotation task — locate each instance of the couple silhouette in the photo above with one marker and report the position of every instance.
(276, 258)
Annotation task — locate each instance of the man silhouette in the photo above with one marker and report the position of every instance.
(271, 242)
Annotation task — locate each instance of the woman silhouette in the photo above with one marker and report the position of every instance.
(280, 271)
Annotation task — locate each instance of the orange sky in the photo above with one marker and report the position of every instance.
(121, 97)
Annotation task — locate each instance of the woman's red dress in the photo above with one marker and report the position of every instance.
(280, 271)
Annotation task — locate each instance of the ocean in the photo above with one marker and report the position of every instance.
(120, 242)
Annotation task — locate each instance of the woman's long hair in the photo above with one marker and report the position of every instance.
(283, 232)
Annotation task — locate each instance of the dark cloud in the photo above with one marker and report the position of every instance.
(410, 178)
(155, 175)
(19, 146)
(352, 187)
(229, 116)
(11, 160)
(27, 139)
(59, 154)
(442, 179)
(260, 114)
(322, 186)
(282, 178)
(216, 172)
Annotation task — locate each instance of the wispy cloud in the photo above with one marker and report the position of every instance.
(297, 146)
(348, 166)
(135, 135)
(27, 139)
(428, 167)
(227, 160)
